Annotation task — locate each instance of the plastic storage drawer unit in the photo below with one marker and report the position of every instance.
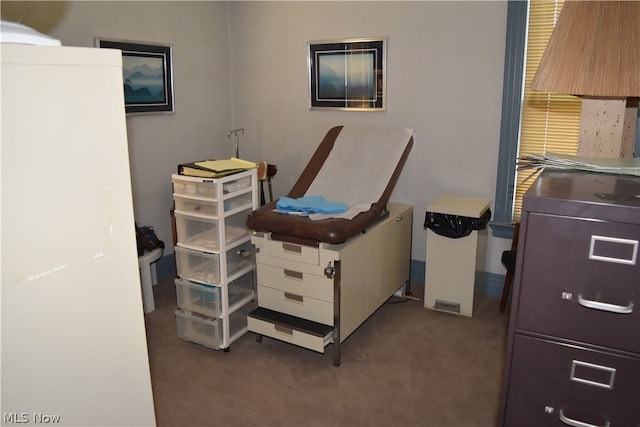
(215, 259)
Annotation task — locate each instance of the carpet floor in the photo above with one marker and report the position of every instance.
(405, 366)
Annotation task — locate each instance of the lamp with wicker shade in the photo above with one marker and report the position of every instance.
(594, 53)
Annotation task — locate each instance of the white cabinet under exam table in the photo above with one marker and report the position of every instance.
(314, 296)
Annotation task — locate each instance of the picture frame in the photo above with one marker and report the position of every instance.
(147, 74)
(348, 74)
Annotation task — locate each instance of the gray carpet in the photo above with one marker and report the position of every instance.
(405, 366)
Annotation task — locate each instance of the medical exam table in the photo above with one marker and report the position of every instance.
(321, 276)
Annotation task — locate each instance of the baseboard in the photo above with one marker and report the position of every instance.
(418, 269)
(166, 267)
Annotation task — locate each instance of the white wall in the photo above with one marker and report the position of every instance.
(244, 65)
(444, 78)
(197, 32)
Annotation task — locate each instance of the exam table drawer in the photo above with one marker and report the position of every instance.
(271, 251)
(296, 282)
(296, 305)
(273, 329)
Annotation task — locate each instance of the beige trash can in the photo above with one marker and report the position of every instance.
(452, 262)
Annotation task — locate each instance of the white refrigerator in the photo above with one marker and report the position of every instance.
(74, 348)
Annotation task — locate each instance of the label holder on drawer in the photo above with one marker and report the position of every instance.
(605, 239)
(601, 376)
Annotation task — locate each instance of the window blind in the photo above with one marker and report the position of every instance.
(549, 122)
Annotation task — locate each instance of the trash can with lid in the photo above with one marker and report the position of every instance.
(453, 224)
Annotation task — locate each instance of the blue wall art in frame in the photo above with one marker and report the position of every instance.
(348, 74)
(147, 75)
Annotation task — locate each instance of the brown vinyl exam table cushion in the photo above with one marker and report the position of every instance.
(302, 230)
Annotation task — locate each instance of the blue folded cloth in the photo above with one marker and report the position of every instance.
(309, 205)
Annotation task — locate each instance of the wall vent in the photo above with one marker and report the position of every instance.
(451, 307)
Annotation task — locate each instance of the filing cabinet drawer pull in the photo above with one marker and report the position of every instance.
(288, 247)
(612, 308)
(576, 423)
(293, 297)
(609, 241)
(290, 274)
(592, 374)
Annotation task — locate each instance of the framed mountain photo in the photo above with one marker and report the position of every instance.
(147, 75)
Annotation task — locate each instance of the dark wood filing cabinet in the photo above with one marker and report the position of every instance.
(573, 353)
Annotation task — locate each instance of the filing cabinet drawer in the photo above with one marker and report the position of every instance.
(296, 305)
(296, 282)
(556, 384)
(581, 280)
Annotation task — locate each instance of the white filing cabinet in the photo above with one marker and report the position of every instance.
(71, 301)
(214, 257)
(452, 262)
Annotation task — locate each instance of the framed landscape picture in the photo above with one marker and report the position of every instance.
(348, 74)
(147, 75)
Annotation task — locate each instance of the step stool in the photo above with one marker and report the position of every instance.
(148, 277)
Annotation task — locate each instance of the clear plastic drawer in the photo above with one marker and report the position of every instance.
(206, 331)
(236, 185)
(201, 232)
(209, 207)
(207, 300)
(190, 186)
(208, 188)
(204, 267)
(198, 266)
(195, 205)
(203, 330)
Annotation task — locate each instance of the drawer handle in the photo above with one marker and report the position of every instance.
(288, 247)
(612, 308)
(576, 423)
(293, 274)
(243, 253)
(293, 297)
(283, 329)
